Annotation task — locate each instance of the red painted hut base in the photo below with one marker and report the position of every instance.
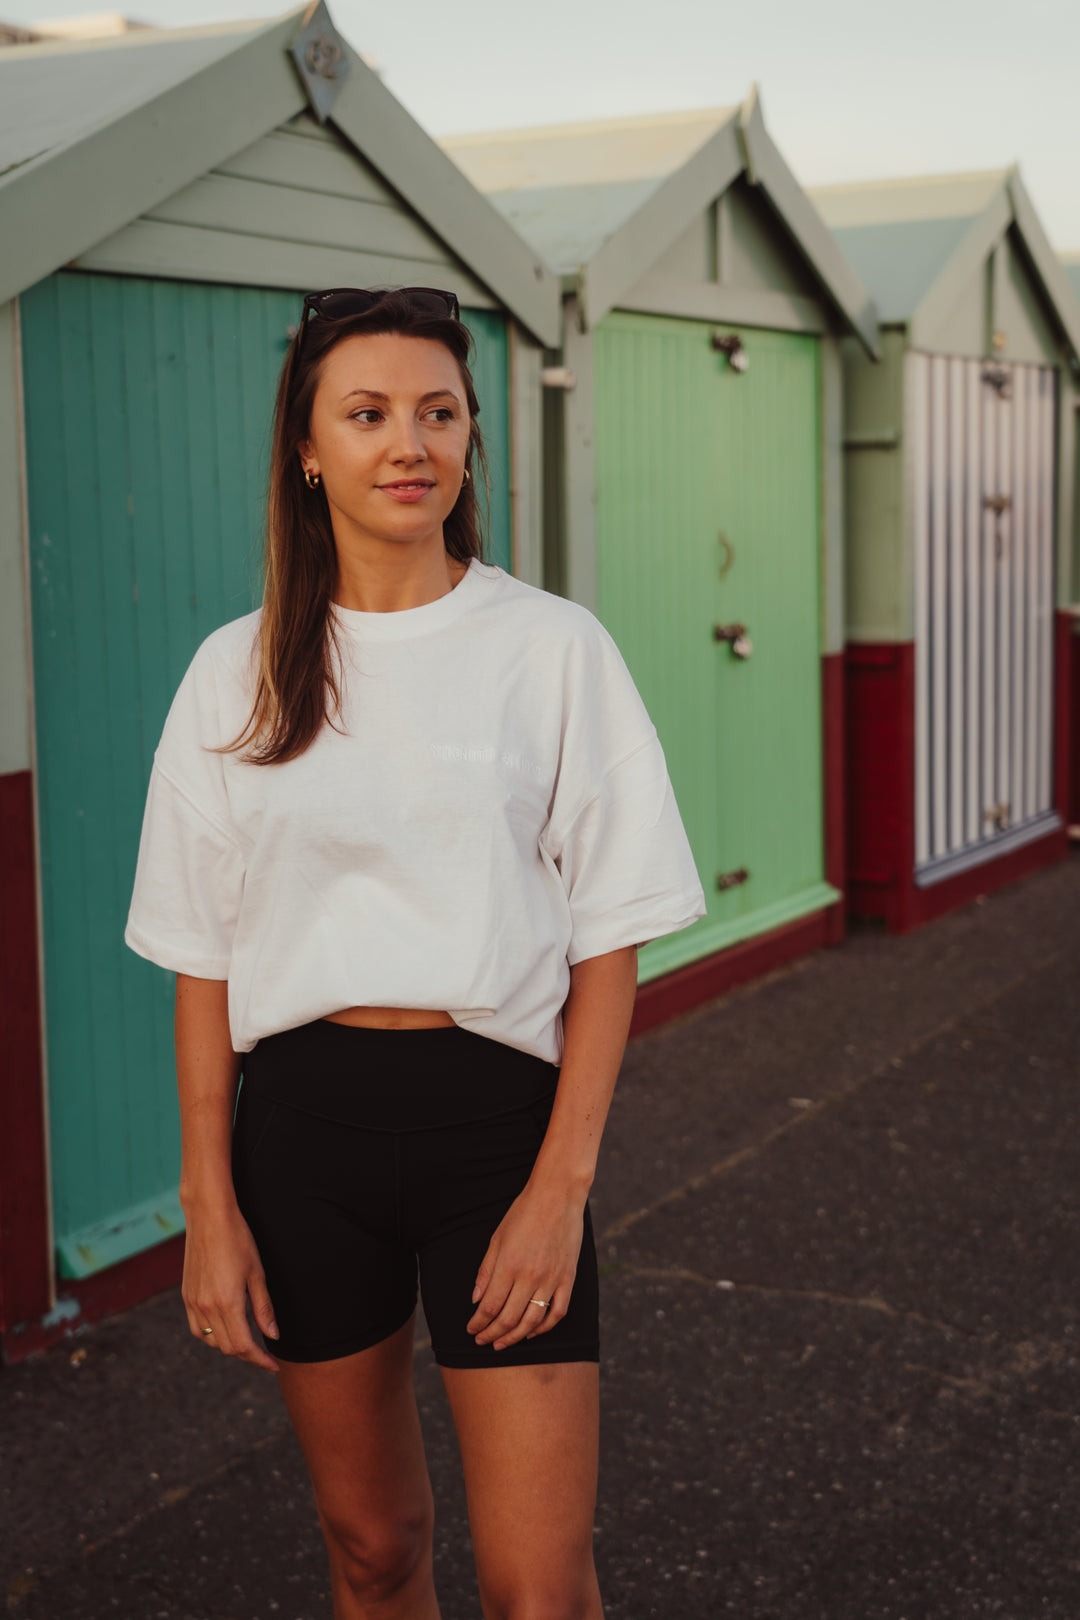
(1073, 677)
(88, 1300)
(905, 906)
(697, 982)
(24, 1239)
(880, 729)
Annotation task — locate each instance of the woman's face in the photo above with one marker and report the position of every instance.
(389, 431)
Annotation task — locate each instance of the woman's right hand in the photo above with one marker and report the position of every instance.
(222, 1267)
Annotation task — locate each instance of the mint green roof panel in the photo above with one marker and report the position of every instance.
(900, 234)
(569, 187)
(899, 263)
(566, 224)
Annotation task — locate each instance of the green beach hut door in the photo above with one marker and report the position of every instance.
(147, 414)
(708, 524)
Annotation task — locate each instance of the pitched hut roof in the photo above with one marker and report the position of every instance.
(917, 242)
(602, 200)
(93, 133)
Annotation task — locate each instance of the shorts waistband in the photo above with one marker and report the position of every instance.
(396, 1079)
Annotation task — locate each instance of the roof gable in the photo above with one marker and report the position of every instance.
(126, 140)
(603, 201)
(919, 243)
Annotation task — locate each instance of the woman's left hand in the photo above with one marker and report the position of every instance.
(533, 1255)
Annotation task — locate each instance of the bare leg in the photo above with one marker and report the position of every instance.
(528, 1439)
(357, 1422)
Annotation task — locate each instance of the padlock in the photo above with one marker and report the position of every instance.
(742, 646)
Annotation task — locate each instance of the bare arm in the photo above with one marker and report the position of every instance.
(535, 1248)
(221, 1261)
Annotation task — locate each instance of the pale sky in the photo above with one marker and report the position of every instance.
(851, 89)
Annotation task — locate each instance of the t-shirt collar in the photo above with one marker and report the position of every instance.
(416, 621)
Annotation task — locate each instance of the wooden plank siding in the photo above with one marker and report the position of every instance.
(148, 408)
(295, 209)
(491, 376)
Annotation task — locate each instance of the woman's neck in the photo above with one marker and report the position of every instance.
(394, 583)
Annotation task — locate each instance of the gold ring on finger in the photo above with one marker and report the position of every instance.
(542, 1302)
(208, 1330)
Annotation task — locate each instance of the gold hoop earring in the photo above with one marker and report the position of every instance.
(313, 479)
(467, 478)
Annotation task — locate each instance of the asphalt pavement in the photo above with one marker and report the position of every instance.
(838, 1215)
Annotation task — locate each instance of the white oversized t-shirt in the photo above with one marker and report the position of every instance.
(494, 808)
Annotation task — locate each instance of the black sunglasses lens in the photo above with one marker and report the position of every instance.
(429, 301)
(338, 305)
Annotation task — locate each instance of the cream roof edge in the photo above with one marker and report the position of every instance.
(604, 151)
(588, 126)
(137, 37)
(893, 201)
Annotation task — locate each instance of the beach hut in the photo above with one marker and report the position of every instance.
(165, 198)
(960, 453)
(693, 492)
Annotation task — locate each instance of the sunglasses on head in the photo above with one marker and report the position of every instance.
(338, 303)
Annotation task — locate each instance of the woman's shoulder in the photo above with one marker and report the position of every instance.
(231, 650)
(559, 620)
(217, 686)
(234, 637)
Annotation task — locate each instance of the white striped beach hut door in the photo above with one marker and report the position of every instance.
(981, 438)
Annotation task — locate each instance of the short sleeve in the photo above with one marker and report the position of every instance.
(189, 875)
(614, 832)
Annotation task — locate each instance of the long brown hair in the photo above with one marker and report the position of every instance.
(297, 687)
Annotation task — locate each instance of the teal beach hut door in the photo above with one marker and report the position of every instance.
(708, 577)
(147, 408)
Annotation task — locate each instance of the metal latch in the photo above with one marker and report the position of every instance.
(741, 645)
(999, 379)
(998, 504)
(731, 880)
(731, 344)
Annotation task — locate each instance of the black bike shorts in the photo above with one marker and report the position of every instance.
(364, 1158)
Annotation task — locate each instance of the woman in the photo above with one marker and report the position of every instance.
(407, 825)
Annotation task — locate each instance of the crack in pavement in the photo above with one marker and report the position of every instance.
(887, 1066)
(826, 1296)
(980, 1386)
(972, 1385)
